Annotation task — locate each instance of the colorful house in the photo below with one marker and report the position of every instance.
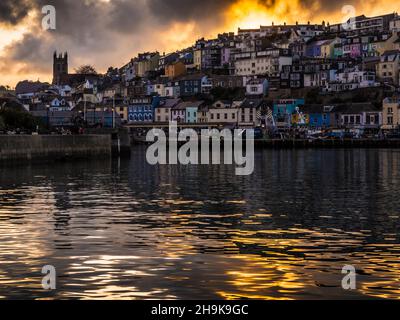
(175, 69)
(163, 110)
(191, 84)
(192, 109)
(142, 109)
(319, 116)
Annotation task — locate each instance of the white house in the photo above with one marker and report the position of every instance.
(257, 87)
(172, 89)
(60, 105)
(223, 111)
(352, 79)
(268, 62)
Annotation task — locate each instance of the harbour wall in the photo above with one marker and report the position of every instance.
(20, 148)
(327, 143)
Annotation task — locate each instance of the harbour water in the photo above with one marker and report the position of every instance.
(122, 229)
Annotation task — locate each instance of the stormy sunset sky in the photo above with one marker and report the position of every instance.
(109, 32)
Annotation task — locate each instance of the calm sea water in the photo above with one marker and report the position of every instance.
(125, 229)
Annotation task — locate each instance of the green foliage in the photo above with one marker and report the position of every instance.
(219, 93)
(17, 119)
(313, 96)
(2, 124)
(86, 69)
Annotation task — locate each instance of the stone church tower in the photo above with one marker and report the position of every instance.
(60, 68)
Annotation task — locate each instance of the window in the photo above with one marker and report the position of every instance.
(233, 116)
(390, 120)
(226, 116)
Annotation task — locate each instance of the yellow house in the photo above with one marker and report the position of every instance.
(388, 68)
(197, 56)
(391, 113)
(175, 70)
(122, 111)
(147, 62)
(327, 48)
(392, 43)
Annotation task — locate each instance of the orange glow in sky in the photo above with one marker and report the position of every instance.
(242, 13)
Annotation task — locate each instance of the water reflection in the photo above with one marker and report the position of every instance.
(132, 231)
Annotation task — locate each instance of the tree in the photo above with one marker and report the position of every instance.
(2, 124)
(86, 69)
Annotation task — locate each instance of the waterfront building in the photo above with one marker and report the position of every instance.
(163, 110)
(360, 116)
(283, 110)
(223, 112)
(192, 109)
(319, 116)
(391, 113)
(250, 113)
(178, 113)
(141, 110)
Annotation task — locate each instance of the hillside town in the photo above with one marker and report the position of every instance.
(302, 79)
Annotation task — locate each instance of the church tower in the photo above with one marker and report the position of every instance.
(60, 68)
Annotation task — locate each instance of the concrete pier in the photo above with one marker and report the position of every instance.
(19, 148)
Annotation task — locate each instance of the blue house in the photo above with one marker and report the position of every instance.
(191, 85)
(143, 109)
(313, 48)
(320, 116)
(192, 110)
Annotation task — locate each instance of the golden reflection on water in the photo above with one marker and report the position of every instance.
(129, 236)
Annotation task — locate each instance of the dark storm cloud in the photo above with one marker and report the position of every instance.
(87, 26)
(182, 10)
(13, 11)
